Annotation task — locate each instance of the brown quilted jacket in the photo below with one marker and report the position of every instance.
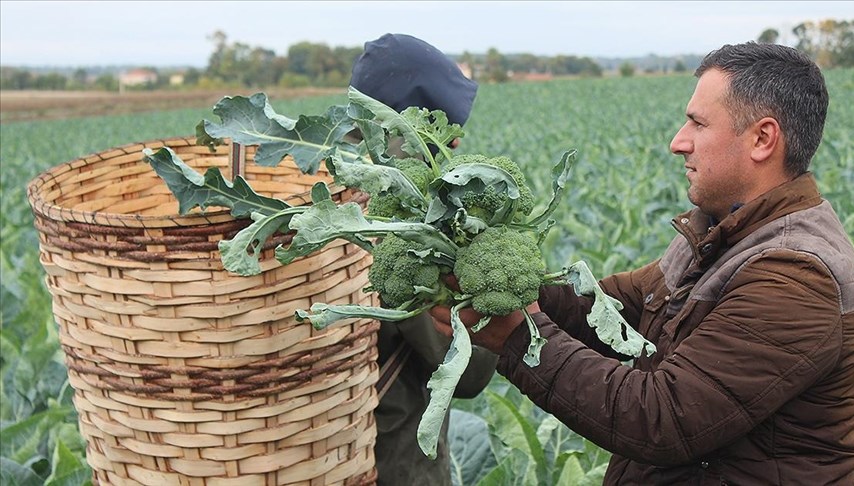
(753, 380)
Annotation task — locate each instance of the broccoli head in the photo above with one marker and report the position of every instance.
(485, 204)
(502, 269)
(396, 272)
(387, 205)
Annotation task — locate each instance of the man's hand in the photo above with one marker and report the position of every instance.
(493, 335)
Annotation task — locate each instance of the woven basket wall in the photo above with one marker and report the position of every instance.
(183, 372)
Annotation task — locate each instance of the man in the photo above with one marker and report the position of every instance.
(751, 307)
(403, 71)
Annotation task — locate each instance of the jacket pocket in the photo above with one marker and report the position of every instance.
(651, 321)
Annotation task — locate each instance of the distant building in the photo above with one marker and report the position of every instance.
(137, 77)
(176, 79)
(465, 68)
(517, 76)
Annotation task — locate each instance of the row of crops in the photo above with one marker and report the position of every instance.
(624, 189)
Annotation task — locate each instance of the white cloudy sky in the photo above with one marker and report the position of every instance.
(165, 33)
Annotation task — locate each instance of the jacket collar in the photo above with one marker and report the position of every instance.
(708, 240)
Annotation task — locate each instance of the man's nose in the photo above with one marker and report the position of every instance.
(681, 144)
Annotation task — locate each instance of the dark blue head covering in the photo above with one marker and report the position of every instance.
(402, 71)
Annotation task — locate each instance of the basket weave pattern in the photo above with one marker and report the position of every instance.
(183, 372)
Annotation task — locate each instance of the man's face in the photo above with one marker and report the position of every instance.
(716, 157)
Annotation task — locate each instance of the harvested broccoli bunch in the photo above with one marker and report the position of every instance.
(502, 269)
(485, 204)
(396, 272)
(388, 205)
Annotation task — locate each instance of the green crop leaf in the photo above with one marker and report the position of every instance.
(470, 454)
(14, 474)
(325, 221)
(192, 189)
(605, 315)
(594, 476)
(571, 473)
(68, 469)
(516, 432)
(21, 440)
(442, 384)
(309, 140)
(557, 437)
(514, 469)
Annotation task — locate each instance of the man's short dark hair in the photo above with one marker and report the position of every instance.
(779, 82)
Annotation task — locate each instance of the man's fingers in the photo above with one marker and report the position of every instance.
(468, 315)
(442, 320)
(443, 329)
(441, 313)
(451, 281)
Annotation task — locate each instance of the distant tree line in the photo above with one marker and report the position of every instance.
(829, 42)
(310, 64)
(235, 64)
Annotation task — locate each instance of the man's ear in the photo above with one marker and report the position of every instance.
(767, 140)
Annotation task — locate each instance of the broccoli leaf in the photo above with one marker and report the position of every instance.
(326, 221)
(377, 179)
(433, 126)
(322, 315)
(192, 189)
(320, 192)
(202, 138)
(450, 188)
(560, 174)
(309, 140)
(373, 134)
(241, 253)
(532, 355)
(605, 317)
(432, 256)
(362, 107)
(418, 127)
(442, 384)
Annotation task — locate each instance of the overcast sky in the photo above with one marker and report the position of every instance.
(172, 33)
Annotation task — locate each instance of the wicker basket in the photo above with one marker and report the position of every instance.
(183, 372)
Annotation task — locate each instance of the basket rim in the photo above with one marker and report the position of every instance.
(56, 212)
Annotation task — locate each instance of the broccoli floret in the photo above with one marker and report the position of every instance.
(417, 171)
(388, 205)
(502, 269)
(396, 272)
(485, 204)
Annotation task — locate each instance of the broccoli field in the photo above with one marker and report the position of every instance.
(622, 192)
